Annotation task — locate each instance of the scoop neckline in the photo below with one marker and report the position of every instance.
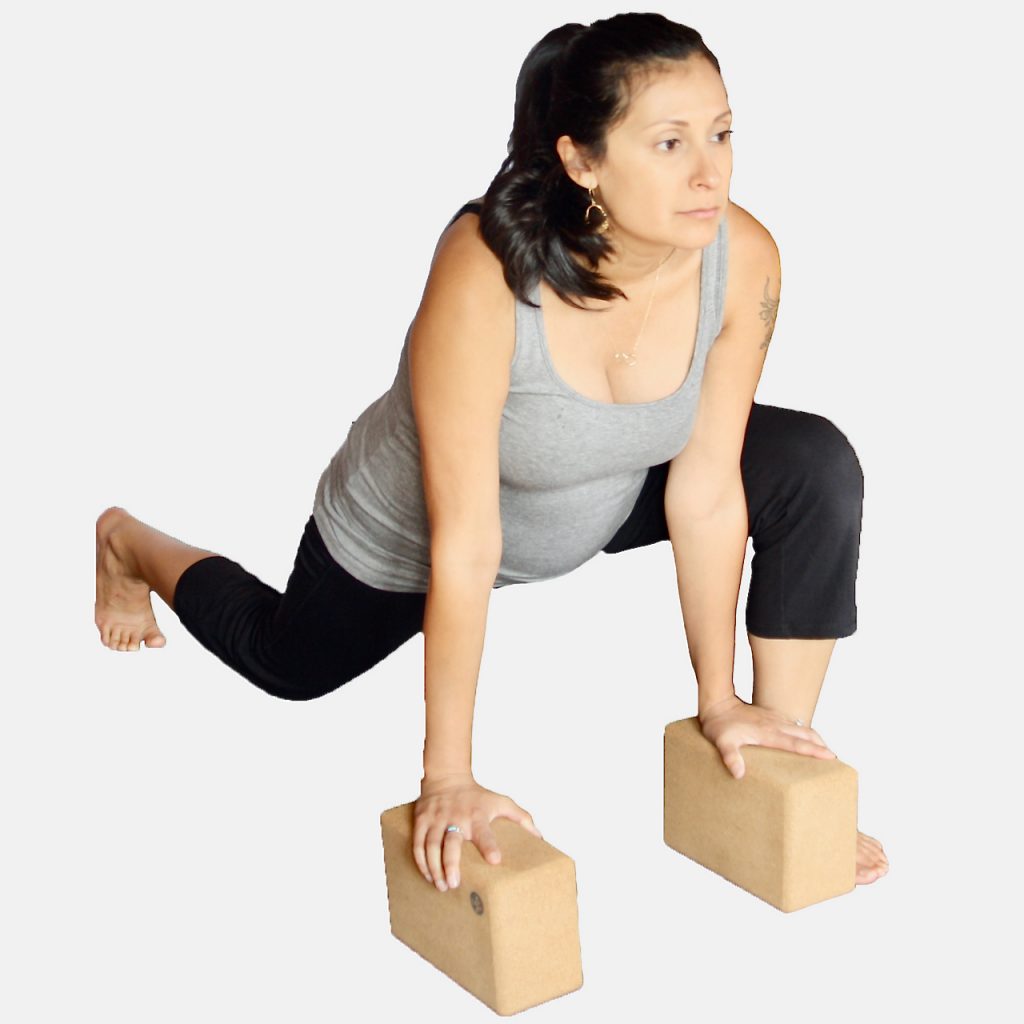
(538, 314)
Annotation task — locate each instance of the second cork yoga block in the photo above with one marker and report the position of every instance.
(508, 934)
(786, 831)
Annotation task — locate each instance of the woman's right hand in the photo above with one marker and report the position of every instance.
(732, 722)
(458, 800)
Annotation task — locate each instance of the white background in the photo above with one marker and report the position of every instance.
(216, 224)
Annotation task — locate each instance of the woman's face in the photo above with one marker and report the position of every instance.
(655, 170)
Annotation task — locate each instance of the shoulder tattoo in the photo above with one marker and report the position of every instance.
(769, 306)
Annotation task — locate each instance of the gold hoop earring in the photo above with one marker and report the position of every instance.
(601, 227)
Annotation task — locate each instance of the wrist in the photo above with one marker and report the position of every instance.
(446, 780)
(440, 759)
(707, 705)
(444, 769)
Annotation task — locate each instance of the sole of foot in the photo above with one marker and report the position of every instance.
(123, 610)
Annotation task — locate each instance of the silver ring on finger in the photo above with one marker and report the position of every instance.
(798, 722)
(453, 828)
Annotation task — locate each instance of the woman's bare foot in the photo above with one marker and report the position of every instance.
(872, 862)
(124, 612)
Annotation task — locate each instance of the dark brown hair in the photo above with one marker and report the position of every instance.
(577, 81)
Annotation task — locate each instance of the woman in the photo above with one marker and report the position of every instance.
(579, 377)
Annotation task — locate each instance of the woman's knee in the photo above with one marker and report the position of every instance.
(300, 687)
(828, 459)
(292, 675)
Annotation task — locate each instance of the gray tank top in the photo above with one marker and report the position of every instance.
(571, 467)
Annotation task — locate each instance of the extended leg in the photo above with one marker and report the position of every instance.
(326, 628)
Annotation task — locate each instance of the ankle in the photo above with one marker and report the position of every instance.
(121, 539)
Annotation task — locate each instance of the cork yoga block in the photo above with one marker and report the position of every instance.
(508, 934)
(786, 831)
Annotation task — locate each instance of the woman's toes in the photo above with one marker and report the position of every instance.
(154, 638)
(872, 862)
(128, 638)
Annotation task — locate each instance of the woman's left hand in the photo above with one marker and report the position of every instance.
(730, 723)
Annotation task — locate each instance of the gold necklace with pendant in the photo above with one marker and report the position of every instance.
(629, 358)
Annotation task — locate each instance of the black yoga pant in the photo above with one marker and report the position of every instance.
(804, 490)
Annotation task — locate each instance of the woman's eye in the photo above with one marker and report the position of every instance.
(665, 142)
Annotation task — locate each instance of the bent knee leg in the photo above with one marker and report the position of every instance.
(828, 464)
(803, 576)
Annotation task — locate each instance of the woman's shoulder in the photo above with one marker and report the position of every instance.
(745, 231)
(470, 210)
(465, 269)
(461, 251)
(748, 242)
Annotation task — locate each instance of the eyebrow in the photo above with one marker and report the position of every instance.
(686, 124)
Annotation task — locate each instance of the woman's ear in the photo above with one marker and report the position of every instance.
(574, 163)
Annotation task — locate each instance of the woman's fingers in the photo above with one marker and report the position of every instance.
(438, 852)
(790, 740)
(803, 734)
(521, 817)
(486, 843)
(816, 737)
(732, 759)
(434, 846)
(781, 739)
(809, 734)
(451, 845)
(809, 742)
(436, 837)
(419, 851)
(446, 848)
(527, 822)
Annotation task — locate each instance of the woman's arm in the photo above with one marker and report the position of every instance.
(705, 504)
(709, 556)
(460, 366)
(453, 630)
(460, 353)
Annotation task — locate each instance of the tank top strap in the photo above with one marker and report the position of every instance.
(713, 301)
(529, 370)
(473, 206)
